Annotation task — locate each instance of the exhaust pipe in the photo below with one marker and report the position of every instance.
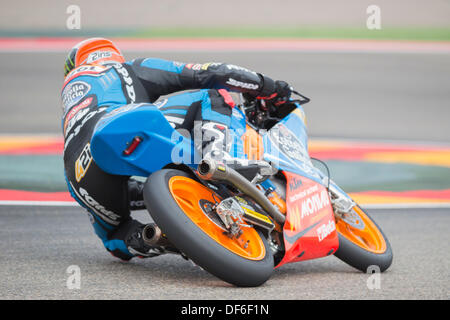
(152, 235)
(209, 169)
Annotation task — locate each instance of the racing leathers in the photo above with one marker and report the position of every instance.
(92, 91)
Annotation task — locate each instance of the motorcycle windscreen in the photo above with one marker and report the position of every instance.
(309, 231)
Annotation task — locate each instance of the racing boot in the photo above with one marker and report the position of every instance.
(216, 144)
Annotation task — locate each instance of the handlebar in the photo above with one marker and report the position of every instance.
(264, 114)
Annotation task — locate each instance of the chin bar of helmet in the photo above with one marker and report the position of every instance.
(212, 170)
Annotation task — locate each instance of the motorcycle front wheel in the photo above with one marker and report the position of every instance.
(362, 244)
(181, 207)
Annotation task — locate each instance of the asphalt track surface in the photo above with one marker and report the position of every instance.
(359, 96)
(38, 244)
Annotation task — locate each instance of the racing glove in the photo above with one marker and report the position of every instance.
(278, 92)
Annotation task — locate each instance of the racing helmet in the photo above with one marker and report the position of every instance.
(92, 50)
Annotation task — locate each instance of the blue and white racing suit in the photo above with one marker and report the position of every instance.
(91, 91)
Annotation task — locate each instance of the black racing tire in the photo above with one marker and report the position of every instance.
(362, 259)
(196, 244)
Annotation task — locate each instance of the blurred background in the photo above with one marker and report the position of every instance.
(379, 95)
(321, 18)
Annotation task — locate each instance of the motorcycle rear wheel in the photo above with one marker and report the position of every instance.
(174, 200)
(362, 243)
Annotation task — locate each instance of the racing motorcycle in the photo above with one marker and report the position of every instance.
(236, 229)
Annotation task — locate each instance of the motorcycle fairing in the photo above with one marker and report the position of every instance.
(309, 231)
(160, 145)
(286, 147)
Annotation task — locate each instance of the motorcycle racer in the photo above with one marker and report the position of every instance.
(97, 81)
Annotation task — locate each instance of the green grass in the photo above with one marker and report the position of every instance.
(45, 173)
(367, 176)
(435, 34)
(427, 34)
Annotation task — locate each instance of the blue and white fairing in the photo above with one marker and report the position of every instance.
(115, 131)
(286, 146)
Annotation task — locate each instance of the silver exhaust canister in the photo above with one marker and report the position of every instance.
(210, 169)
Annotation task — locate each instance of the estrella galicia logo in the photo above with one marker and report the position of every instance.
(287, 142)
(74, 92)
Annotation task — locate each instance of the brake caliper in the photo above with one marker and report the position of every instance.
(231, 214)
(237, 212)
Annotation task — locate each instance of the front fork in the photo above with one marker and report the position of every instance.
(342, 204)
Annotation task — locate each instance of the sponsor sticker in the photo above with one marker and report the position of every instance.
(287, 142)
(107, 215)
(74, 92)
(325, 230)
(294, 184)
(199, 66)
(240, 84)
(308, 202)
(83, 116)
(73, 112)
(86, 70)
(94, 56)
(314, 203)
(196, 67)
(238, 68)
(128, 81)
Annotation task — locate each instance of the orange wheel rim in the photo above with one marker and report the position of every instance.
(363, 232)
(189, 194)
